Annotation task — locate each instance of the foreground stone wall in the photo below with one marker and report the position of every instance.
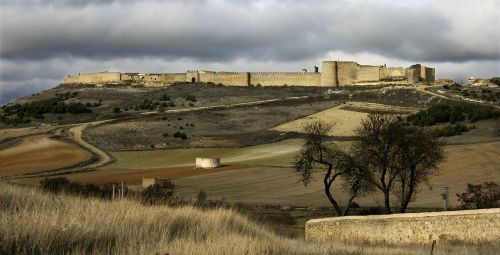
(472, 226)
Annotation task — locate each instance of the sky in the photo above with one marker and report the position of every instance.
(42, 41)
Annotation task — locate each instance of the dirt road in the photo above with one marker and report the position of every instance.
(75, 133)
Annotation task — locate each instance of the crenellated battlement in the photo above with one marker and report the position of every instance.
(334, 73)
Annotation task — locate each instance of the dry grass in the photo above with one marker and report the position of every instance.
(346, 117)
(33, 222)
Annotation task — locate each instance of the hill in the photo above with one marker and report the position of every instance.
(34, 222)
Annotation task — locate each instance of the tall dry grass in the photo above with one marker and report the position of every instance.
(34, 222)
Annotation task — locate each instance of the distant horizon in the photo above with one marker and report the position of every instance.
(57, 38)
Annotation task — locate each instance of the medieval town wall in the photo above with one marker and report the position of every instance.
(93, 77)
(192, 76)
(386, 72)
(471, 226)
(334, 73)
(412, 75)
(430, 74)
(285, 78)
(346, 72)
(368, 74)
(225, 78)
(170, 78)
(329, 74)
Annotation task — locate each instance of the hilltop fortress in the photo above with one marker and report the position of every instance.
(334, 73)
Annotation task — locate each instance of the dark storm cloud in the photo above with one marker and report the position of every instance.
(225, 30)
(41, 41)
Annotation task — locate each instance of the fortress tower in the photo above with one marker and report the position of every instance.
(329, 74)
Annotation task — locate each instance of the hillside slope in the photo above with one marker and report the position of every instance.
(33, 222)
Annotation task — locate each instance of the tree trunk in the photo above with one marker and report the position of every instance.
(387, 202)
(411, 188)
(328, 183)
(338, 211)
(348, 206)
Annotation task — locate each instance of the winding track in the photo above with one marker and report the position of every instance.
(75, 133)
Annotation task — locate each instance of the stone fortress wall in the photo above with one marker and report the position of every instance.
(334, 73)
(471, 226)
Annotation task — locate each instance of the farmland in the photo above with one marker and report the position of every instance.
(40, 153)
(264, 175)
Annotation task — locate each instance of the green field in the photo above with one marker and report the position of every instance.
(272, 154)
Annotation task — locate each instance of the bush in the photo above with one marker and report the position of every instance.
(486, 195)
(445, 113)
(180, 135)
(452, 130)
(371, 211)
(164, 97)
(201, 198)
(354, 205)
(158, 194)
(191, 98)
(36, 109)
(116, 110)
(496, 80)
(62, 184)
(54, 185)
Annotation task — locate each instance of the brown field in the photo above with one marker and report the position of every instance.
(260, 182)
(40, 153)
(473, 163)
(16, 132)
(134, 176)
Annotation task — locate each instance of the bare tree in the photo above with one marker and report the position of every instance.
(377, 148)
(318, 154)
(419, 152)
(397, 157)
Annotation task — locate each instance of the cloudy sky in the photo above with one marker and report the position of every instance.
(41, 41)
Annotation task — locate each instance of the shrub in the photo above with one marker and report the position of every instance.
(165, 135)
(54, 185)
(371, 211)
(452, 130)
(36, 109)
(191, 98)
(202, 196)
(62, 184)
(496, 80)
(354, 205)
(164, 97)
(446, 113)
(116, 110)
(180, 135)
(158, 194)
(486, 195)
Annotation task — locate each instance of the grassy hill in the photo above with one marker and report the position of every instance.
(34, 222)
